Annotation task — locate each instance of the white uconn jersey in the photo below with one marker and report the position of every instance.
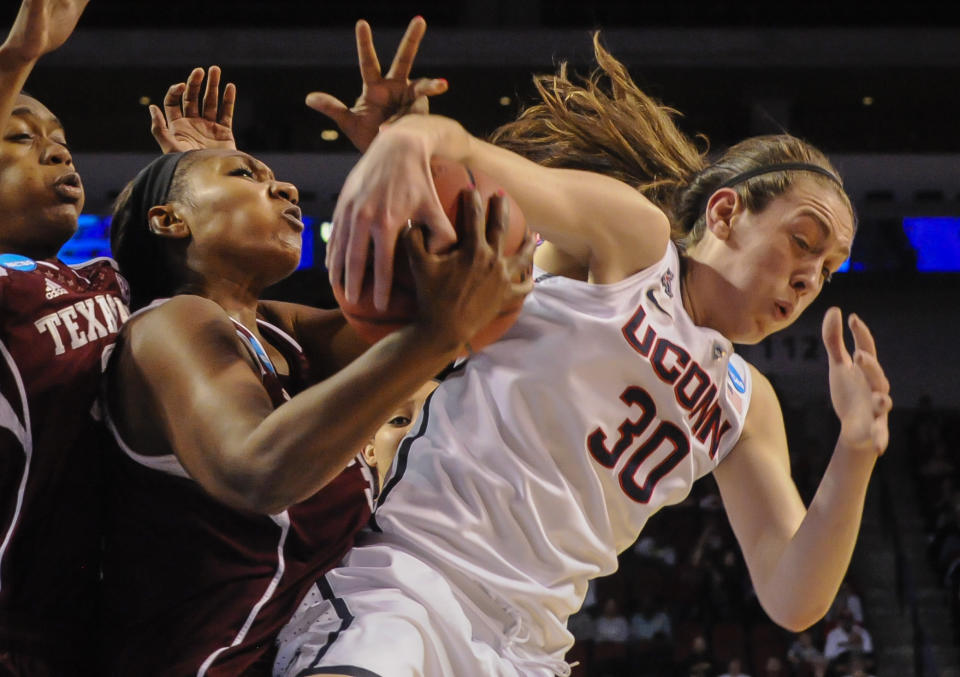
(532, 467)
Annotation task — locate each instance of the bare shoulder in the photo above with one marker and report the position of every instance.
(764, 439)
(764, 407)
(183, 325)
(638, 240)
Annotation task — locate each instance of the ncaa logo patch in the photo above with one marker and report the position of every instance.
(17, 262)
(736, 379)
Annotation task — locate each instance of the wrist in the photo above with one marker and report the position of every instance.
(438, 135)
(860, 451)
(442, 336)
(13, 59)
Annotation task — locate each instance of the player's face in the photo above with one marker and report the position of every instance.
(40, 192)
(775, 262)
(240, 217)
(379, 452)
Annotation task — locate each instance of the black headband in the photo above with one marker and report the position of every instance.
(151, 187)
(780, 167)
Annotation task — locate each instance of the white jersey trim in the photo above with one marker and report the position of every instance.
(96, 259)
(168, 463)
(9, 420)
(283, 521)
(281, 334)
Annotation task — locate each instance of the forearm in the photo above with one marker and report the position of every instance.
(308, 441)
(808, 571)
(14, 71)
(587, 215)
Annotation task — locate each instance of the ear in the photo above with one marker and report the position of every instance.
(722, 206)
(165, 221)
(368, 454)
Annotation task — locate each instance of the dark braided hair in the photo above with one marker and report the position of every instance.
(152, 264)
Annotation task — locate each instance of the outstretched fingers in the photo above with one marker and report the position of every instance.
(862, 338)
(211, 94)
(173, 102)
(407, 51)
(329, 105)
(191, 94)
(159, 129)
(429, 87)
(227, 105)
(833, 338)
(366, 54)
(865, 356)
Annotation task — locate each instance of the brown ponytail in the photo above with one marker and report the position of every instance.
(606, 124)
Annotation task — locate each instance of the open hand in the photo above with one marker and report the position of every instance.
(41, 26)
(188, 125)
(390, 184)
(858, 387)
(382, 97)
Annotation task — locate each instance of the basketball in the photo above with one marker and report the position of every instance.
(450, 179)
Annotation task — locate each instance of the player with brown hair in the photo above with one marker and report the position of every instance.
(537, 463)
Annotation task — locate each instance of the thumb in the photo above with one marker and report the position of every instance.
(159, 129)
(327, 104)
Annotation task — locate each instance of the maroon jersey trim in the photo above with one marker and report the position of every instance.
(10, 421)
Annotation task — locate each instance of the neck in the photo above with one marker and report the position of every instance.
(38, 253)
(239, 300)
(690, 277)
(705, 293)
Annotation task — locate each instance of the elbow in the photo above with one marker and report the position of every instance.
(797, 615)
(251, 487)
(795, 624)
(266, 502)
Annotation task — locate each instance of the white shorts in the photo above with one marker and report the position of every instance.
(385, 613)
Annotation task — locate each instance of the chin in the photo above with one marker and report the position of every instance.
(750, 335)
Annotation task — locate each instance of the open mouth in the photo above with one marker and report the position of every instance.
(69, 187)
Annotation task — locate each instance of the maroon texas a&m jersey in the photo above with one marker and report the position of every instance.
(195, 587)
(55, 321)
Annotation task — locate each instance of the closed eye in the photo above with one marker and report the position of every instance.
(22, 136)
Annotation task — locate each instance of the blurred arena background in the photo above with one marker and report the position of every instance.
(875, 85)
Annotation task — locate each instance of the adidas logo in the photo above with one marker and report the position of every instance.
(54, 290)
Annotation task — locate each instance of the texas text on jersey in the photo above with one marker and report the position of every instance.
(55, 321)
